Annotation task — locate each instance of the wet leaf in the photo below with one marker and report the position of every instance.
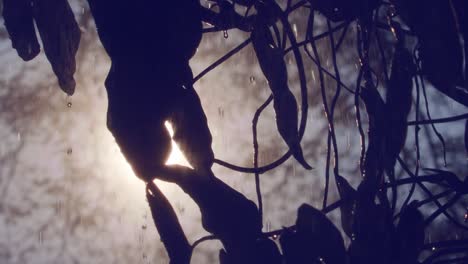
(348, 197)
(434, 24)
(19, 23)
(316, 239)
(410, 234)
(273, 67)
(168, 226)
(60, 36)
(191, 132)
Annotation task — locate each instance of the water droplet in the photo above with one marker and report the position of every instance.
(434, 248)
(41, 238)
(143, 227)
(466, 216)
(252, 79)
(58, 207)
(295, 30)
(69, 151)
(69, 104)
(225, 34)
(221, 112)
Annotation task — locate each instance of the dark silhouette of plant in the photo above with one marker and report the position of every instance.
(151, 82)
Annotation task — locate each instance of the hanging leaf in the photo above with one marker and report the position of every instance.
(20, 26)
(373, 163)
(316, 239)
(466, 136)
(168, 226)
(348, 200)
(461, 19)
(191, 132)
(60, 36)
(410, 234)
(225, 212)
(441, 54)
(285, 105)
(398, 103)
(372, 232)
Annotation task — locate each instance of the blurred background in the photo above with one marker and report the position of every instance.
(67, 195)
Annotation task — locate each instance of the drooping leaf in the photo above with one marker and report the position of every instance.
(441, 54)
(191, 132)
(316, 239)
(410, 234)
(60, 36)
(19, 23)
(373, 163)
(225, 212)
(274, 68)
(168, 226)
(348, 200)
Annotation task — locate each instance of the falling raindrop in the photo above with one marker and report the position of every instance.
(221, 112)
(41, 238)
(18, 137)
(69, 101)
(58, 207)
(252, 79)
(225, 34)
(140, 239)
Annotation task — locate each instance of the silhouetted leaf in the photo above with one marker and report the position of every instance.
(168, 226)
(348, 200)
(373, 163)
(60, 36)
(191, 132)
(440, 49)
(316, 239)
(410, 234)
(274, 68)
(18, 17)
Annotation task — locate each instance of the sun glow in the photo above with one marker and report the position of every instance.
(176, 157)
